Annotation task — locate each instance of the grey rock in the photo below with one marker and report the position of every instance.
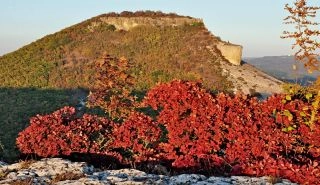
(88, 169)
(286, 182)
(130, 183)
(12, 175)
(222, 180)
(100, 175)
(3, 164)
(6, 181)
(186, 179)
(42, 172)
(83, 181)
(114, 179)
(207, 183)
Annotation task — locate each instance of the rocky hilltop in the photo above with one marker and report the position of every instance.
(127, 23)
(244, 77)
(162, 46)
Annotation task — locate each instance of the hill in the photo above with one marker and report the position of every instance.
(58, 69)
(282, 68)
(161, 49)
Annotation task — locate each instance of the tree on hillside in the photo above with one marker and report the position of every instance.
(113, 87)
(306, 44)
(305, 33)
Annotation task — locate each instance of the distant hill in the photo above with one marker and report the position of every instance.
(281, 67)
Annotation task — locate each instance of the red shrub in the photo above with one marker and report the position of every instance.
(61, 133)
(251, 137)
(41, 137)
(139, 136)
(232, 135)
(187, 110)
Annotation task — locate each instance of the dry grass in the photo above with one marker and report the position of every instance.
(3, 175)
(26, 164)
(274, 180)
(27, 181)
(67, 176)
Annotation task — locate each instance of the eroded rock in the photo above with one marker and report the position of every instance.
(56, 171)
(127, 23)
(231, 52)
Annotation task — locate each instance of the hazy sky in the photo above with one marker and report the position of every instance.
(255, 24)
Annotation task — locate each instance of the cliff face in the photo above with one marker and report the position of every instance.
(245, 77)
(127, 23)
(231, 52)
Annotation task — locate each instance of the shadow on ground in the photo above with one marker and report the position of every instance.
(17, 105)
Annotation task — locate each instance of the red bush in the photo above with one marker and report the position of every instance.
(138, 136)
(187, 110)
(61, 133)
(249, 136)
(229, 135)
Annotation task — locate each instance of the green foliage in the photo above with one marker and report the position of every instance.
(200, 24)
(307, 94)
(1, 148)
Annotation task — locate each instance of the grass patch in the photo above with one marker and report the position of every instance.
(67, 176)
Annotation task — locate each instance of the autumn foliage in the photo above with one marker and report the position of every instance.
(305, 34)
(306, 42)
(187, 128)
(138, 137)
(112, 88)
(194, 130)
(61, 133)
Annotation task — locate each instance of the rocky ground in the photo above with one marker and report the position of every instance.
(61, 172)
(249, 79)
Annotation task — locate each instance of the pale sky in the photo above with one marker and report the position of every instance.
(254, 24)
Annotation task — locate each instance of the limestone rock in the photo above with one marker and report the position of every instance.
(2, 163)
(186, 179)
(46, 171)
(231, 52)
(248, 79)
(127, 23)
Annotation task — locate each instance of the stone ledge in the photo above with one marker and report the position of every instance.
(45, 170)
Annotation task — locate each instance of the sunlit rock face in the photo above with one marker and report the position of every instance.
(231, 52)
(127, 23)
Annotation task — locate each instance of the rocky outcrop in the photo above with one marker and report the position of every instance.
(127, 23)
(244, 77)
(248, 79)
(231, 52)
(62, 172)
